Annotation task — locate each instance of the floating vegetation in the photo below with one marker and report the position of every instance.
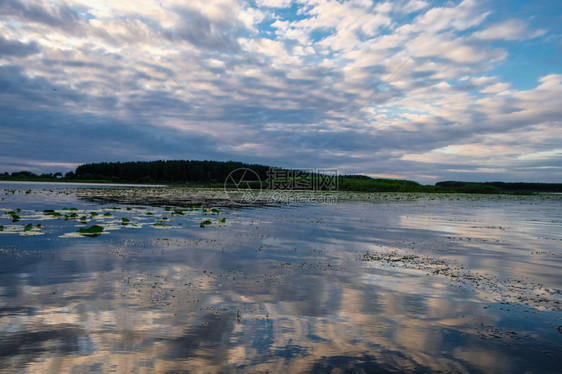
(92, 231)
(178, 212)
(222, 220)
(1, 228)
(28, 227)
(107, 214)
(211, 211)
(124, 221)
(13, 215)
(94, 214)
(205, 223)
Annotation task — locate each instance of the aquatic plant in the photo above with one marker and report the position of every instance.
(205, 223)
(92, 231)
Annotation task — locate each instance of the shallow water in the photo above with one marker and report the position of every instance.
(413, 283)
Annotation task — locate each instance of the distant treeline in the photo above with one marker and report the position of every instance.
(214, 173)
(362, 183)
(204, 172)
(29, 176)
(499, 187)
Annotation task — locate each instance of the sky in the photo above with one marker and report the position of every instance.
(412, 89)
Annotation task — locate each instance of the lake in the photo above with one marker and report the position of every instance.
(365, 283)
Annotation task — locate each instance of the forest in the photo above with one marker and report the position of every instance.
(214, 174)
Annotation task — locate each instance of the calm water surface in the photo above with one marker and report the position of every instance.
(402, 283)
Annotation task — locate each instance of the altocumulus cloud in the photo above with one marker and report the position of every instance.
(410, 88)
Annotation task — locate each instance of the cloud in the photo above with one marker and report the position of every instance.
(202, 31)
(463, 16)
(16, 48)
(403, 88)
(508, 30)
(55, 15)
(274, 3)
(414, 5)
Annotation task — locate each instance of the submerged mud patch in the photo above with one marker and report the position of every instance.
(488, 286)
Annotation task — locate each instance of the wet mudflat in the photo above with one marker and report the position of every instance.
(378, 282)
